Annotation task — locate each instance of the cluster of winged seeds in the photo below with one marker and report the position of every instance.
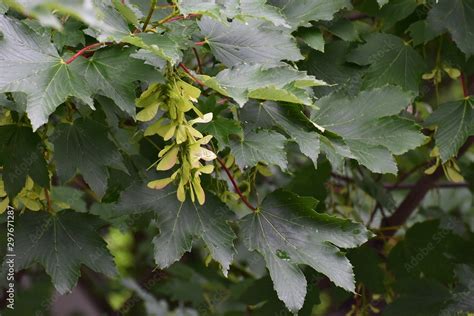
(186, 149)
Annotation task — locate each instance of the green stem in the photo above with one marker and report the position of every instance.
(150, 14)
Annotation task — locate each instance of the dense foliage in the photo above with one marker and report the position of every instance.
(239, 157)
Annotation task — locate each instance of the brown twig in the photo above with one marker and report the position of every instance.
(180, 17)
(404, 186)
(188, 72)
(48, 200)
(418, 193)
(464, 86)
(84, 50)
(198, 60)
(234, 183)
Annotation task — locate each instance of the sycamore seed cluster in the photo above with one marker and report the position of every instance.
(186, 150)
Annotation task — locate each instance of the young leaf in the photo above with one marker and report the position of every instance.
(61, 243)
(287, 232)
(162, 46)
(281, 83)
(29, 63)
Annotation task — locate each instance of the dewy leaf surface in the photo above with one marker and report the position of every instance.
(181, 224)
(250, 42)
(29, 63)
(287, 232)
(62, 243)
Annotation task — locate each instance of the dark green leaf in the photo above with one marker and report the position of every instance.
(287, 232)
(457, 17)
(369, 125)
(84, 147)
(264, 146)
(61, 243)
(250, 42)
(21, 155)
(300, 12)
(29, 63)
(390, 61)
(287, 118)
(181, 224)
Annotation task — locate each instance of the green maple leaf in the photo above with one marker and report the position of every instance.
(240, 9)
(61, 243)
(160, 45)
(221, 129)
(29, 63)
(287, 232)
(105, 22)
(250, 42)
(281, 83)
(111, 72)
(265, 146)
(181, 224)
(287, 118)
(454, 121)
(21, 156)
(300, 12)
(457, 17)
(369, 125)
(331, 67)
(84, 147)
(390, 61)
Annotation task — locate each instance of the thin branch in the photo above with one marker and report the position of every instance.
(418, 193)
(179, 17)
(48, 200)
(236, 187)
(409, 186)
(464, 86)
(404, 186)
(198, 60)
(150, 14)
(188, 72)
(84, 50)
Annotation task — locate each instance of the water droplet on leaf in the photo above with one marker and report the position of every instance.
(283, 255)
